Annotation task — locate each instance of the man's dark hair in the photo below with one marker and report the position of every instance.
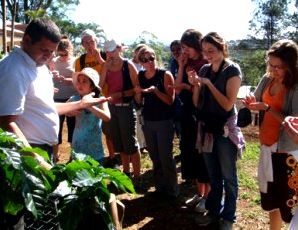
(175, 43)
(43, 28)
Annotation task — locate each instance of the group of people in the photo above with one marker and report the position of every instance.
(196, 98)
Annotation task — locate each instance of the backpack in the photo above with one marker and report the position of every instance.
(83, 57)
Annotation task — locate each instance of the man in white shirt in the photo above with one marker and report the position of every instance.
(27, 107)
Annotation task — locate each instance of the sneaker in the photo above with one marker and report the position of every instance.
(192, 202)
(225, 225)
(200, 207)
(204, 220)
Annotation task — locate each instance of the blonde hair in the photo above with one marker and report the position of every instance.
(143, 51)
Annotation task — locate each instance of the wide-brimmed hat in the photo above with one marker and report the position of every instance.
(110, 45)
(89, 72)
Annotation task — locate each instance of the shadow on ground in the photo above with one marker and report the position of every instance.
(164, 214)
(154, 211)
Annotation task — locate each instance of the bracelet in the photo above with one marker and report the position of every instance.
(268, 108)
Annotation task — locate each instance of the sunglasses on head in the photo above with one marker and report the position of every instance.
(145, 60)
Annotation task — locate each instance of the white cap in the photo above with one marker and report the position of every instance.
(89, 72)
(110, 45)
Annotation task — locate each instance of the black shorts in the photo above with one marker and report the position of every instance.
(281, 192)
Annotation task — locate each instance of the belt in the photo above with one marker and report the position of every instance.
(121, 104)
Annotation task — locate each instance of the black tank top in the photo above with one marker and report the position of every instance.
(154, 108)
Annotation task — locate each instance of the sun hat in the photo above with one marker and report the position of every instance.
(110, 45)
(89, 33)
(89, 72)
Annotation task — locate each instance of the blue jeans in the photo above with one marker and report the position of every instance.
(221, 166)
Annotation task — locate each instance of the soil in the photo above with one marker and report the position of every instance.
(146, 210)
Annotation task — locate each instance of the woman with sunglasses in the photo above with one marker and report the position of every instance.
(63, 68)
(156, 92)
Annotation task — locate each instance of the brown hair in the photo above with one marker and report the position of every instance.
(287, 51)
(216, 40)
(175, 43)
(65, 45)
(192, 38)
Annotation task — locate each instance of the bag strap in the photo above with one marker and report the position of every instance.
(82, 61)
(216, 73)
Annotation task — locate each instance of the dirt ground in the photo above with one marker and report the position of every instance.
(146, 211)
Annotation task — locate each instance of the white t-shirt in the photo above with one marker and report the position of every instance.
(27, 91)
(66, 69)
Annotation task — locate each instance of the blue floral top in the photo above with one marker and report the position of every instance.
(87, 134)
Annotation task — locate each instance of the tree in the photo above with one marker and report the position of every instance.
(293, 23)
(57, 8)
(270, 20)
(3, 6)
(162, 52)
(12, 23)
(253, 66)
(26, 10)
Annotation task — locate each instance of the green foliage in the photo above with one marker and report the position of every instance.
(247, 182)
(251, 58)
(26, 184)
(253, 66)
(270, 20)
(246, 168)
(162, 52)
(74, 31)
(39, 13)
(25, 9)
(252, 151)
(81, 184)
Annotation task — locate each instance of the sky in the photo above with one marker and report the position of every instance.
(125, 20)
